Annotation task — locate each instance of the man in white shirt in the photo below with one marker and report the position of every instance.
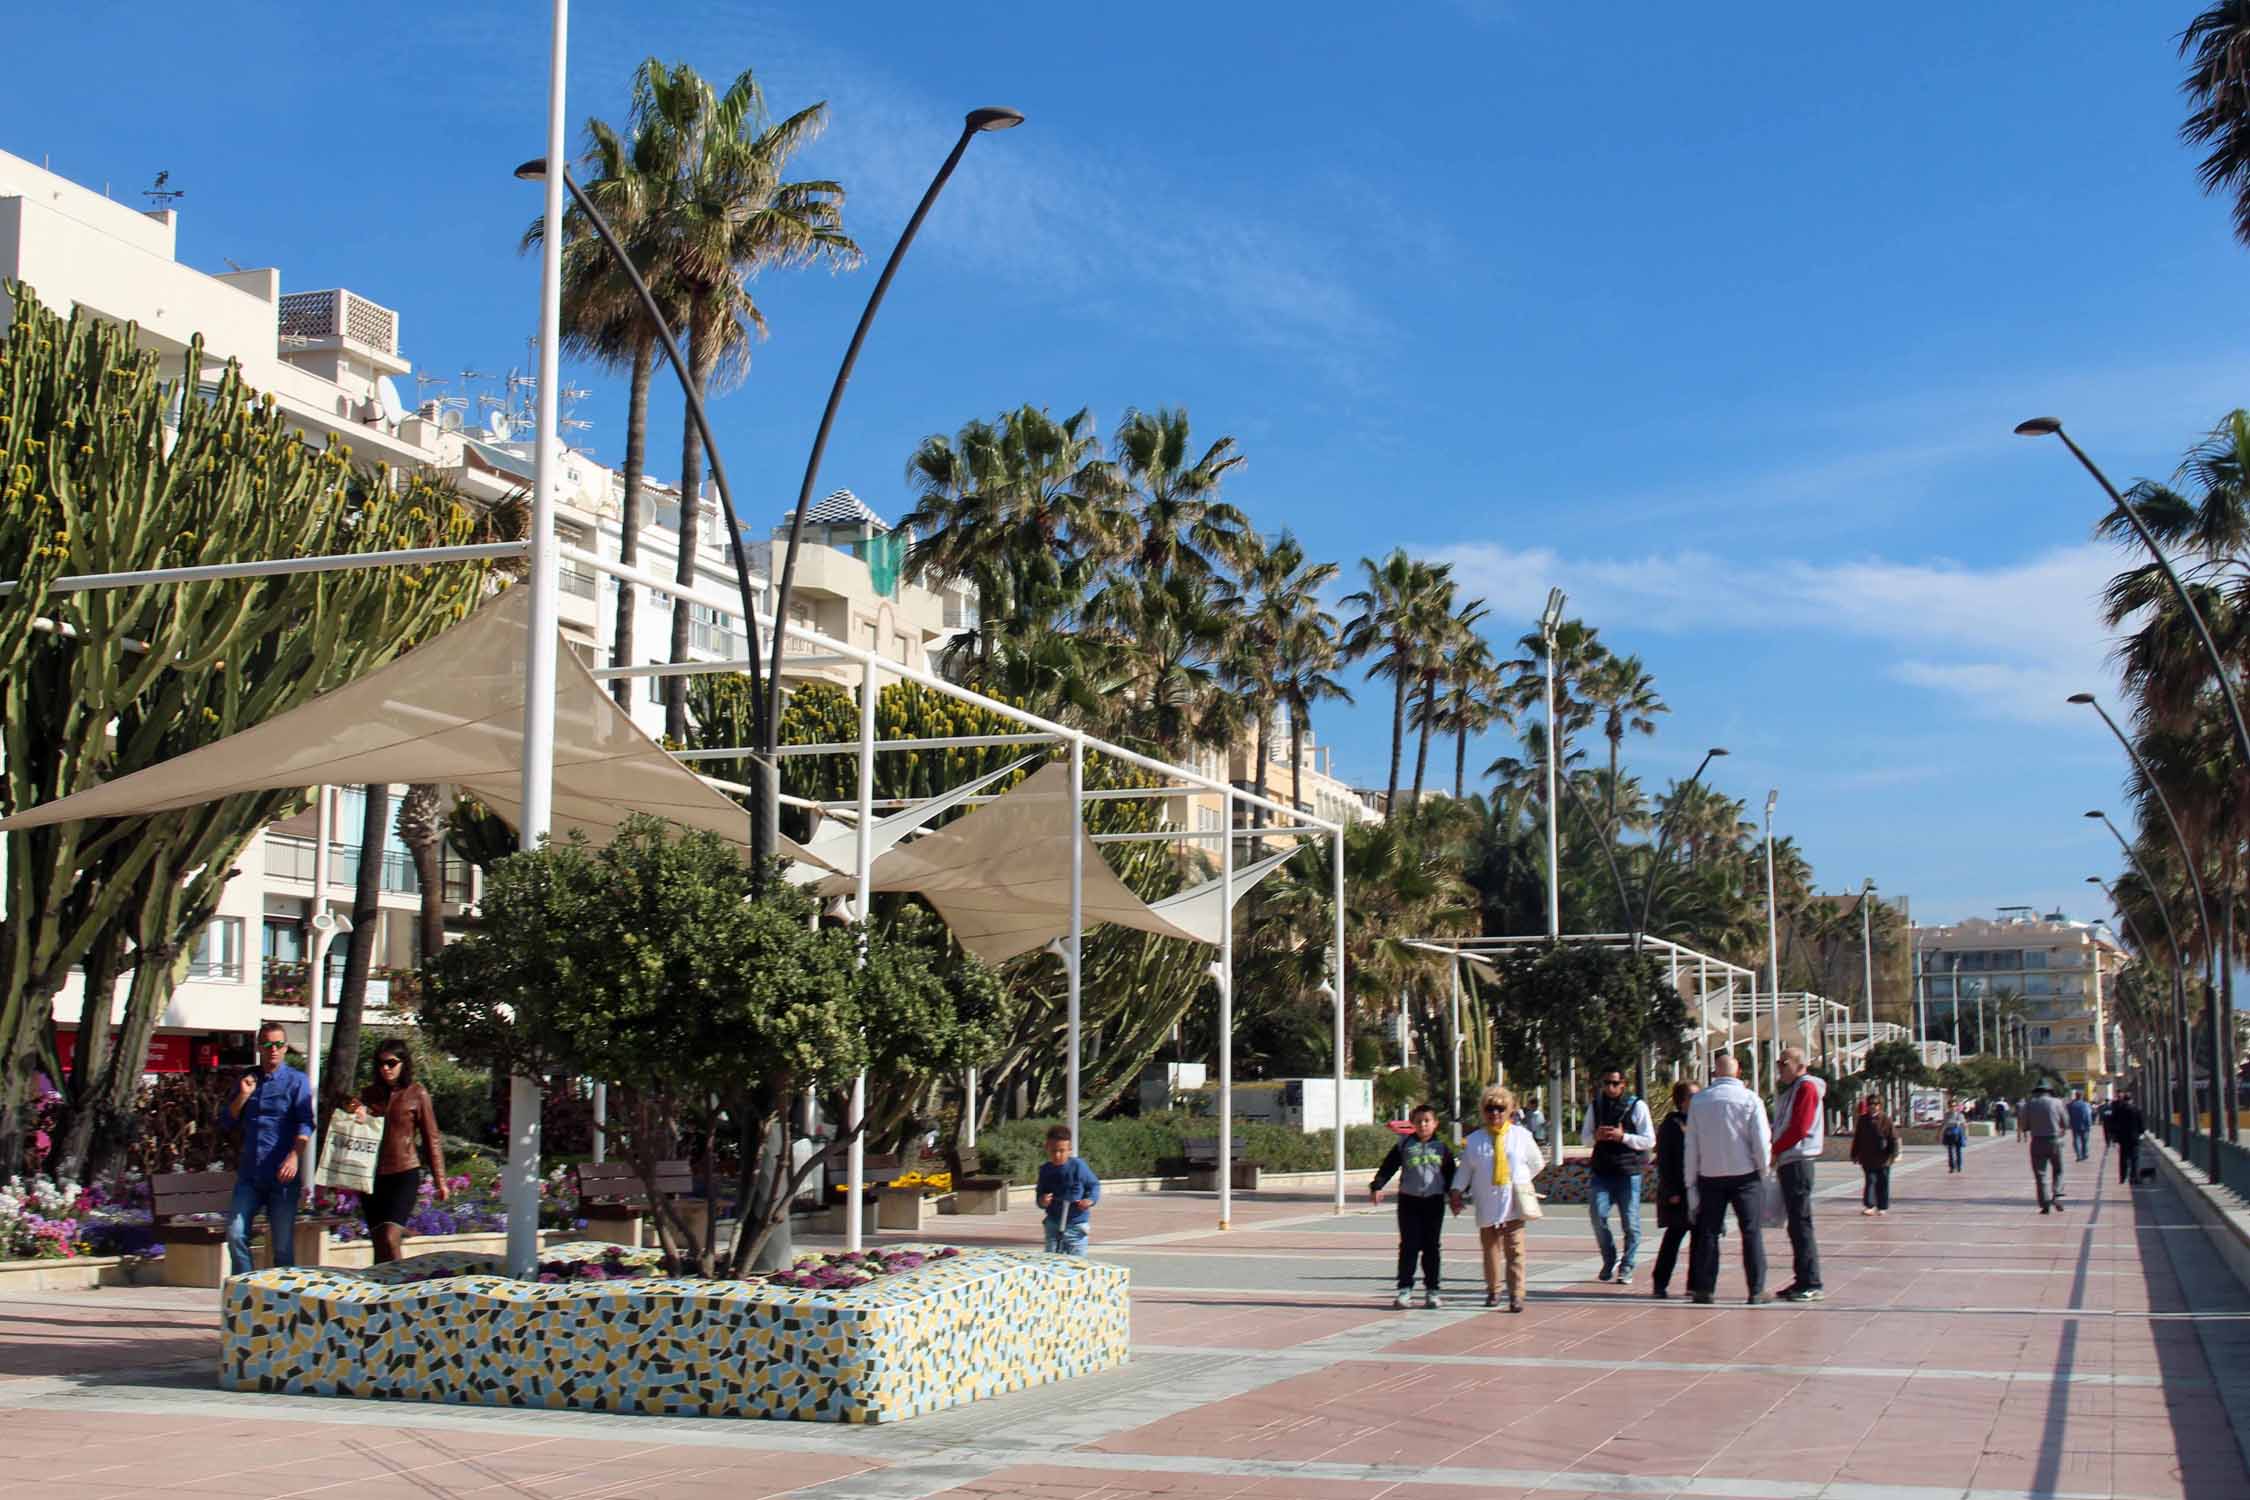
(1729, 1148)
(1617, 1127)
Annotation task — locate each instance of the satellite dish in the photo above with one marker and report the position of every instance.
(386, 397)
(448, 420)
(498, 426)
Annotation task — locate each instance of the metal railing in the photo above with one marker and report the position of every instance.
(292, 858)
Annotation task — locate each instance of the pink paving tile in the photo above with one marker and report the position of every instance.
(1219, 1320)
(1054, 1482)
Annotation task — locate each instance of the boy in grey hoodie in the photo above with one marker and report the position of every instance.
(1423, 1165)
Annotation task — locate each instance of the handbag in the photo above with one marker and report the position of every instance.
(1527, 1196)
(1772, 1212)
(347, 1157)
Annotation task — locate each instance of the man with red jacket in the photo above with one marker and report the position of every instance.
(1797, 1138)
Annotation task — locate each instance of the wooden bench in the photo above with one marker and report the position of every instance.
(974, 1190)
(1203, 1165)
(895, 1207)
(615, 1205)
(195, 1253)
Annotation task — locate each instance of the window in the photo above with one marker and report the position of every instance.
(2035, 958)
(284, 940)
(218, 951)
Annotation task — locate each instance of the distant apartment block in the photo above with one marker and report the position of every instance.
(2060, 971)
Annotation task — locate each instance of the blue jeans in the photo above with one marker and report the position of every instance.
(1953, 1150)
(278, 1200)
(1623, 1190)
(1066, 1239)
(2080, 1140)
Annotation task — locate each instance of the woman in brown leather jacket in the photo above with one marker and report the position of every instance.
(1874, 1148)
(410, 1139)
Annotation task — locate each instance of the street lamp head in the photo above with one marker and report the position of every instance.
(534, 170)
(2094, 880)
(2080, 698)
(1551, 616)
(2098, 815)
(1715, 752)
(2039, 427)
(994, 118)
(1771, 798)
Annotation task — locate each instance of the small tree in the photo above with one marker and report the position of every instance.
(1893, 1065)
(1566, 1003)
(651, 964)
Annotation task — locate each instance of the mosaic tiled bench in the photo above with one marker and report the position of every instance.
(981, 1324)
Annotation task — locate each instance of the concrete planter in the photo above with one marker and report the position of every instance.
(956, 1330)
(77, 1274)
(353, 1255)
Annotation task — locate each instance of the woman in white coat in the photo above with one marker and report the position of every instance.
(1495, 1173)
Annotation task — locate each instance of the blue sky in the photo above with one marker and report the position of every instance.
(1719, 318)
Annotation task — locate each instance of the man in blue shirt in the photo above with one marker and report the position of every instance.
(273, 1109)
(2081, 1121)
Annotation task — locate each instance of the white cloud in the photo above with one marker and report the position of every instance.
(2011, 640)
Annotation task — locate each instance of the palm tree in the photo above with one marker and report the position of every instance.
(1394, 625)
(1448, 632)
(2217, 46)
(631, 181)
(1162, 638)
(1624, 694)
(1469, 703)
(1278, 620)
(1302, 680)
(728, 216)
(1183, 522)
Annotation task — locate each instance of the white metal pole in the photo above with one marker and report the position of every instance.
(1921, 1014)
(522, 1185)
(855, 1171)
(969, 1112)
(601, 1119)
(1554, 833)
(1071, 1039)
(1226, 1015)
(1336, 976)
(1453, 1110)
(1867, 953)
(316, 977)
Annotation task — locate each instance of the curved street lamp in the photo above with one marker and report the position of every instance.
(2182, 1098)
(2131, 931)
(2203, 922)
(1664, 837)
(978, 122)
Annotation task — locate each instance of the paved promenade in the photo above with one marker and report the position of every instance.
(1968, 1348)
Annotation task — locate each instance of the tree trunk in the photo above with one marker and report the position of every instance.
(1398, 747)
(691, 521)
(421, 827)
(1613, 747)
(1460, 761)
(1422, 752)
(342, 1068)
(1296, 760)
(629, 517)
(1262, 747)
(66, 1157)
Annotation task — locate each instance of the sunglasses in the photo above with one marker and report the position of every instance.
(282, 1045)
(1613, 1083)
(1496, 1109)
(386, 1063)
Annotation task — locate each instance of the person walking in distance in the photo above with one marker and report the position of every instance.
(1424, 1167)
(1728, 1147)
(1672, 1188)
(2126, 1127)
(1496, 1170)
(2043, 1122)
(1874, 1148)
(272, 1107)
(1799, 1120)
(2081, 1116)
(1955, 1135)
(1617, 1127)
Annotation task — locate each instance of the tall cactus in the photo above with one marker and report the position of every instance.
(141, 473)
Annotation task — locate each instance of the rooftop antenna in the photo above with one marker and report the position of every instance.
(160, 196)
(424, 382)
(233, 264)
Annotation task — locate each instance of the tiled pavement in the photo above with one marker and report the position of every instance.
(1969, 1348)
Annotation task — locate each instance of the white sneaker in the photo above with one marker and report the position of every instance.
(1432, 1300)
(1404, 1299)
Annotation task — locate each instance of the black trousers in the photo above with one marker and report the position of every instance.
(1796, 1180)
(1421, 1221)
(1714, 1196)
(1668, 1256)
(1877, 1192)
(2128, 1158)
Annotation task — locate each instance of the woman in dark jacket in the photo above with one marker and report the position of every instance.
(410, 1140)
(1672, 1214)
(1874, 1148)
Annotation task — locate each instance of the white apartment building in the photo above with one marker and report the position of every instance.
(333, 360)
(1326, 795)
(2062, 971)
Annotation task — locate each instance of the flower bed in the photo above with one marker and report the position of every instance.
(473, 1207)
(41, 1219)
(901, 1339)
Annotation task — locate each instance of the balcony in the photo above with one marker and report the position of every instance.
(289, 858)
(335, 314)
(719, 640)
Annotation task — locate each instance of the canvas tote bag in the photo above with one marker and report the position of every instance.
(347, 1158)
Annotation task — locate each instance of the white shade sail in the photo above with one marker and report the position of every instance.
(834, 845)
(449, 711)
(1000, 877)
(1198, 908)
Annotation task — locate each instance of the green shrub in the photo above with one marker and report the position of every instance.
(1136, 1147)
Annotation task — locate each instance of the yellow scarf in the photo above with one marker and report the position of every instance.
(1500, 1157)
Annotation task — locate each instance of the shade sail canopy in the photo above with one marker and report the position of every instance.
(1198, 908)
(834, 845)
(1000, 877)
(449, 711)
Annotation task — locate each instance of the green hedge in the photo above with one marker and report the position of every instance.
(1134, 1147)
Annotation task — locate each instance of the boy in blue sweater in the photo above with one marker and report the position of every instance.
(1068, 1191)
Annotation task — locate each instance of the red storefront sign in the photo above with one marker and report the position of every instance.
(167, 1053)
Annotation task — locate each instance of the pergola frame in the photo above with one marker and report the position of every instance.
(523, 1159)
